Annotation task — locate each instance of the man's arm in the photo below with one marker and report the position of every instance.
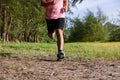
(65, 5)
(47, 3)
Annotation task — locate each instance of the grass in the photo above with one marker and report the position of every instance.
(74, 51)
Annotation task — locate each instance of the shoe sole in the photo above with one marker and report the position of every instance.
(60, 58)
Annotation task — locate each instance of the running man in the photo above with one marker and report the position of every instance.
(55, 19)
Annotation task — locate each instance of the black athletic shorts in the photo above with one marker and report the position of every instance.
(53, 24)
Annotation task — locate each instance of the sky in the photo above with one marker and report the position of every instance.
(110, 8)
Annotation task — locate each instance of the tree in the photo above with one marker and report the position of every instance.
(77, 32)
(88, 29)
(95, 26)
(3, 10)
(23, 20)
(115, 35)
(75, 1)
(111, 27)
(114, 29)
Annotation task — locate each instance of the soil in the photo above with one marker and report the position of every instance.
(50, 69)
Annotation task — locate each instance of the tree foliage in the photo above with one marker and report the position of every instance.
(115, 35)
(89, 29)
(24, 20)
(114, 31)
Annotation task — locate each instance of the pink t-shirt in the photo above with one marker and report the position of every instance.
(54, 11)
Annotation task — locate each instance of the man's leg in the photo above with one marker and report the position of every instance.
(60, 44)
(52, 35)
(51, 28)
(60, 39)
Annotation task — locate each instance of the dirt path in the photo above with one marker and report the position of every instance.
(64, 70)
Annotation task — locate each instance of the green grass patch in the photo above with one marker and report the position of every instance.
(74, 51)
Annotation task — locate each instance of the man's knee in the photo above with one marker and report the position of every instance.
(59, 31)
(51, 36)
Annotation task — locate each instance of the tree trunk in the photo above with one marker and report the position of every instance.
(25, 36)
(4, 28)
(9, 28)
(36, 39)
(1, 12)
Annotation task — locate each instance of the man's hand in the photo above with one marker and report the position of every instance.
(65, 5)
(65, 9)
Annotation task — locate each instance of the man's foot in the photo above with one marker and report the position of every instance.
(60, 55)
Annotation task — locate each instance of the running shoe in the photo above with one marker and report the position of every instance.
(60, 55)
